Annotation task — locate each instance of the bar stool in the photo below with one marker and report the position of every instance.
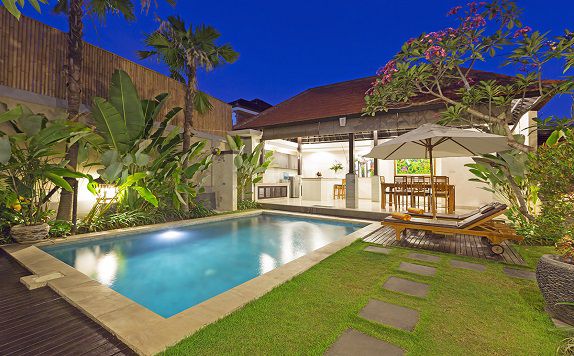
(339, 190)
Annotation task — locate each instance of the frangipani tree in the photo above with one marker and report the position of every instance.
(439, 67)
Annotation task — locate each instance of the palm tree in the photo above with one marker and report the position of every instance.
(76, 10)
(185, 50)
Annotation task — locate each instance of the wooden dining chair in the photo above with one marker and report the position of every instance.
(441, 184)
(401, 192)
(419, 190)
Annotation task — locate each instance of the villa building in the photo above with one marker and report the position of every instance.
(325, 126)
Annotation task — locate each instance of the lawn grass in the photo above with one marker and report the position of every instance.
(466, 312)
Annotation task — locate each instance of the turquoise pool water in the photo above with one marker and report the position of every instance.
(168, 271)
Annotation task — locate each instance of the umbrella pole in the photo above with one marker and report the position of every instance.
(433, 200)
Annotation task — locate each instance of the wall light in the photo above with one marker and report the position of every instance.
(343, 121)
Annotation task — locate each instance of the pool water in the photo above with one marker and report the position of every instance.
(168, 271)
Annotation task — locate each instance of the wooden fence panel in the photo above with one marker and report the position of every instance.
(33, 58)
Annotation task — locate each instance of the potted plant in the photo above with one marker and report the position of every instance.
(336, 167)
(32, 169)
(551, 169)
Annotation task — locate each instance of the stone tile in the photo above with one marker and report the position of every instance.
(562, 325)
(519, 273)
(353, 342)
(417, 269)
(405, 286)
(468, 265)
(35, 281)
(423, 257)
(390, 314)
(375, 249)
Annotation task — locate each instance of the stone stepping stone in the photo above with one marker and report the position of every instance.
(353, 342)
(468, 265)
(390, 314)
(423, 257)
(519, 273)
(417, 269)
(405, 286)
(375, 249)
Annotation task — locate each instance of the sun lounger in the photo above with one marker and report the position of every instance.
(481, 223)
(428, 215)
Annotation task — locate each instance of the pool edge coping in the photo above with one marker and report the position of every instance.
(144, 331)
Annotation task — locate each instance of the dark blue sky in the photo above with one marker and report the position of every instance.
(288, 46)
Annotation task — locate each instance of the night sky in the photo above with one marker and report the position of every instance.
(288, 46)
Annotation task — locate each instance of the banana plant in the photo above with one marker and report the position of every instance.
(136, 139)
(32, 161)
(250, 166)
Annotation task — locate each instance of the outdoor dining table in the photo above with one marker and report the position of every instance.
(388, 188)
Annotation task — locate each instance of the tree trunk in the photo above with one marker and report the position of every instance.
(188, 112)
(67, 208)
(188, 119)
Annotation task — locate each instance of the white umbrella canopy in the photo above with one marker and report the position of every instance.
(444, 141)
(435, 141)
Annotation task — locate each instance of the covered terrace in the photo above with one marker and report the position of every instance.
(320, 138)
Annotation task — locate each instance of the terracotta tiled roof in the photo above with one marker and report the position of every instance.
(339, 99)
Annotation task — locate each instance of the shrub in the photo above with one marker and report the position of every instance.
(551, 169)
(247, 205)
(59, 228)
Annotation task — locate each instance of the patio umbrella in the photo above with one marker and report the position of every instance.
(435, 141)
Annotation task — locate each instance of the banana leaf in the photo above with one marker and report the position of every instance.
(124, 97)
(110, 124)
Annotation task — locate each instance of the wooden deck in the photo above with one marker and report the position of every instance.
(462, 245)
(40, 322)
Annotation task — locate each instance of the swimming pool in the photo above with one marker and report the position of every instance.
(168, 271)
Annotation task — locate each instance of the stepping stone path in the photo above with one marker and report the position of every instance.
(353, 342)
(384, 251)
(417, 269)
(389, 314)
(520, 273)
(405, 286)
(468, 265)
(423, 257)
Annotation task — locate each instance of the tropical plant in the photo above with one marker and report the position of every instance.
(185, 50)
(250, 166)
(143, 161)
(12, 6)
(439, 68)
(336, 167)
(550, 168)
(505, 174)
(32, 166)
(248, 205)
(59, 228)
(76, 10)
